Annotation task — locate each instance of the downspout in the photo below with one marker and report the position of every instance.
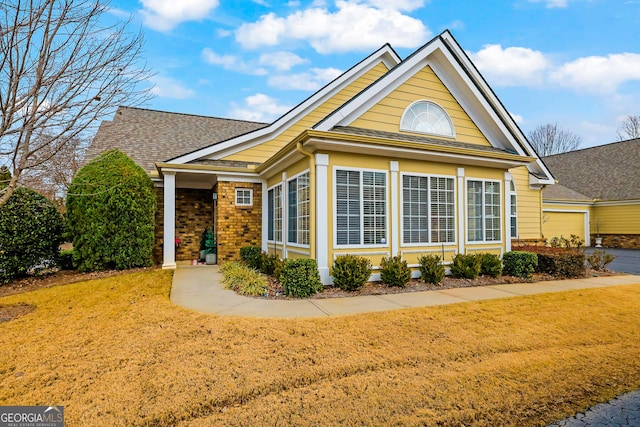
(312, 198)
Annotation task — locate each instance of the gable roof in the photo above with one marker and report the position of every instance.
(456, 71)
(148, 136)
(385, 54)
(558, 192)
(605, 172)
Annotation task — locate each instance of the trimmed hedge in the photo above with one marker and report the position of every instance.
(564, 264)
(519, 263)
(111, 214)
(300, 277)
(351, 272)
(431, 269)
(394, 271)
(490, 265)
(251, 255)
(30, 233)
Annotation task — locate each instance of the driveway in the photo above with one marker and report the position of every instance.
(627, 260)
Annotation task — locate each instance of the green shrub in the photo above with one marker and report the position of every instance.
(394, 271)
(599, 260)
(243, 280)
(300, 277)
(111, 214)
(30, 233)
(65, 259)
(490, 265)
(562, 264)
(431, 269)
(270, 264)
(466, 266)
(252, 256)
(519, 263)
(208, 241)
(351, 272)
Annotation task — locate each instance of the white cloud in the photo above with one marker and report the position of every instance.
(599, 74)
(551, 4)
(164, 15)
(353, 26)
(259, 108)
(513, 66)
(406, 5)
(166, 87)
(310, 81)
(517, 118)
(282, 61)
(231, 62)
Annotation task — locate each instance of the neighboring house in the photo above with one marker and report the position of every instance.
(598, 195)
(394, 157)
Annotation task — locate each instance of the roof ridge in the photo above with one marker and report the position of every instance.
(191, 114)
(595, 146)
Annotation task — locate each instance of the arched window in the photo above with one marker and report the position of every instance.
(427, 117)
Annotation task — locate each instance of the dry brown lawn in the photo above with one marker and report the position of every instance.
(116, 352)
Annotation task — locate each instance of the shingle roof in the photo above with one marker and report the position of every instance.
(605, 172)
(415, 138)
(150, 136)
(560, 192)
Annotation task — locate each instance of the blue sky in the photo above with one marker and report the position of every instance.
(574, 62)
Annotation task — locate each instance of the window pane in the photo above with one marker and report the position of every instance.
(270, 214)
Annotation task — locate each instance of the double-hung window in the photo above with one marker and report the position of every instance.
(483, 211)
(274, 214)
(298, 209)
(428, 209)
(361, 207)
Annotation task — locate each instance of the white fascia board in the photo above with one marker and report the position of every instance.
(385, 54)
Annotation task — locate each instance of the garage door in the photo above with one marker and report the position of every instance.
(565, 224)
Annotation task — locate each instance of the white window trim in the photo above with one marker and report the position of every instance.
(453, 129)
(285, 210)
(335, 209)
(455, 200)
(466, 212)
(241, 189)
(273, 187)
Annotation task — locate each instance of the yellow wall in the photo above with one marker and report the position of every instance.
(624, 219)
(262, 152)
(565, 224)
(529, 205)
(386, 114)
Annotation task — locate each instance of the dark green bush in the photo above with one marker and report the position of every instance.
(270, 264)
(300, 277)
(65, 259)
(208, 241)
(431, 269)
(490, 265)
(519, 263)
(562, 264)
(111, 214)
(30, 233)
(466, 266)
(599, 260)
(252, 256)
(351, 272)
(394, 271)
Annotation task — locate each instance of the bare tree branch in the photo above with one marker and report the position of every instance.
(61, 71)
(629, 128)
(551, 139)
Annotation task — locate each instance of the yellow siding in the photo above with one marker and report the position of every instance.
(623, 219)
(529, 207)
(557, 224)
(263, 151)
(386, 114)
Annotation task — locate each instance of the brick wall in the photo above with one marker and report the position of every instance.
(624, 241)
(194, 212)
(237, 226)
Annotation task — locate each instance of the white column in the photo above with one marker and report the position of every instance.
(285, 215)
(322, 216)
(395, 218)
(169, 249)
(461, 212)
(507, 211)
(265, 216)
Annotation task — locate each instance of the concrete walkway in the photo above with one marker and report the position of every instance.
(200, 288)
